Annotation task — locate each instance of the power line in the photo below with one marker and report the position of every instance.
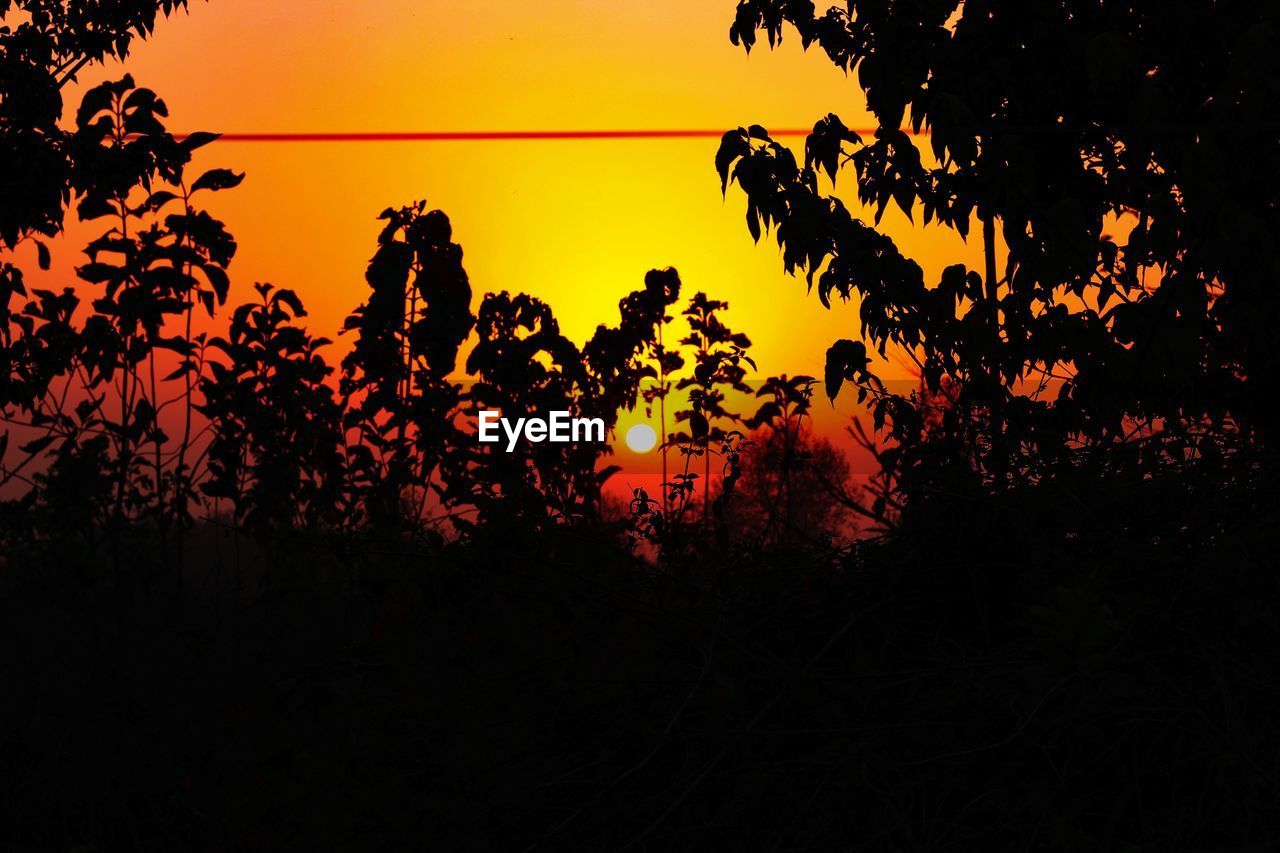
(494, 135)
(675, 133)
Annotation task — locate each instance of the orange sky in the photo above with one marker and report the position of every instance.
(576, 223)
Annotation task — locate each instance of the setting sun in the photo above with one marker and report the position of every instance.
(642, 438)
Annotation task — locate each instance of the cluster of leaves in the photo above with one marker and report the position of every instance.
(1132, 308)
(51, 41)
(395, 379)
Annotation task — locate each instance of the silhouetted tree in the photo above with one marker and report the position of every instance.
(817, 501)
(782, 416)
(160, 258)
(1134, 307)
(43, 45)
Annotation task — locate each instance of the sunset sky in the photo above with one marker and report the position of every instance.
(574, 222)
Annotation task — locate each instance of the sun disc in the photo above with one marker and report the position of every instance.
(641, 438)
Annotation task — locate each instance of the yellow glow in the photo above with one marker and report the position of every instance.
(576, 223)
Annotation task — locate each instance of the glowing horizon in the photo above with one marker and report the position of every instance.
(575, 223)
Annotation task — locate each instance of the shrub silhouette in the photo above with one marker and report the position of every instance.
(277, 447)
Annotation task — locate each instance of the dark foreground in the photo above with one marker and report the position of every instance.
(1109, 691)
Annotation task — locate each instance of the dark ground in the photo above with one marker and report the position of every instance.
(1123, 694)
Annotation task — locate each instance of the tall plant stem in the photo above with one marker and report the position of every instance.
(998, 450)
(662, 419)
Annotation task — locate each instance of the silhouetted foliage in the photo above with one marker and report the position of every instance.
(524, 366)
(718, 355)
(112, 374)
(277, 446)
(1132, 313)
(336, 619)
(43, 45)
(407, 409)
(663, 361)
(400, 399)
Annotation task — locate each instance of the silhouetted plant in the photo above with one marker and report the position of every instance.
(154, 268)
(277, 446)
(524, 366)
(113, 374)
(718, 356)
(732, 449)
(1131, 307)
(43, 45)
(885, 489)
(40, 344)
(401, 402)
(622, 358)
(665, 362)
(646, 520)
